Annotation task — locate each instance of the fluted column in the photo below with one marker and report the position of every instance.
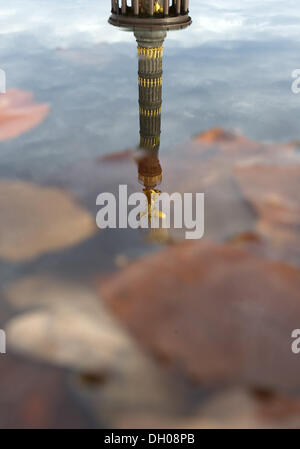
(136, 7)
(166, 7)
(115, 6)
(178, 7)
(150, 50)
(185, 6)
(151, 7)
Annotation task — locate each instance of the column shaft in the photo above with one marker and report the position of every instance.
(185, 6)
(136, 7)
(166, 7)
(124, 6)
(115, 6)
(151, 7)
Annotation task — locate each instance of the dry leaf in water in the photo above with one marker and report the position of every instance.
(218, 313)
(37, 220)
(19, 113)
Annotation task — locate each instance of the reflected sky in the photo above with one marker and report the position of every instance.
(85, 21)
(231, 68)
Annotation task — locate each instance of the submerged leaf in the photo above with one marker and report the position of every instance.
(19, 113)
(36, 220)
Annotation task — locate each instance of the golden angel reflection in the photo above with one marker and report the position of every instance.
(150, 176)
(150, 53)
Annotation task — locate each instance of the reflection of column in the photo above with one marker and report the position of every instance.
(150, 172)
(150, 14)
(115, 6)
(185, 6)
(136, 7)
(150, 176)
(150, 49)
(151, 7)
(166, 7)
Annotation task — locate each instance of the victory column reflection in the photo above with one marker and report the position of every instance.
(150, 51)
(150, 20)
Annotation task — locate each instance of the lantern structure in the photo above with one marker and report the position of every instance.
(151, 14)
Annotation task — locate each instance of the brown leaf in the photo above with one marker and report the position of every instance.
(273, 192)
(35, 220)
(70, 328)
(19, 113)
(217, 313)
(35, 396)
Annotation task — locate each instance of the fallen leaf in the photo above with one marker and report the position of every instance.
(68, 327)
(19, 113)
(36, 220)
(273, 192)
(217, 313)
(35, 396)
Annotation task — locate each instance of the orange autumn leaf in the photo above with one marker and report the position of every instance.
(217, 314)
(19, 113)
